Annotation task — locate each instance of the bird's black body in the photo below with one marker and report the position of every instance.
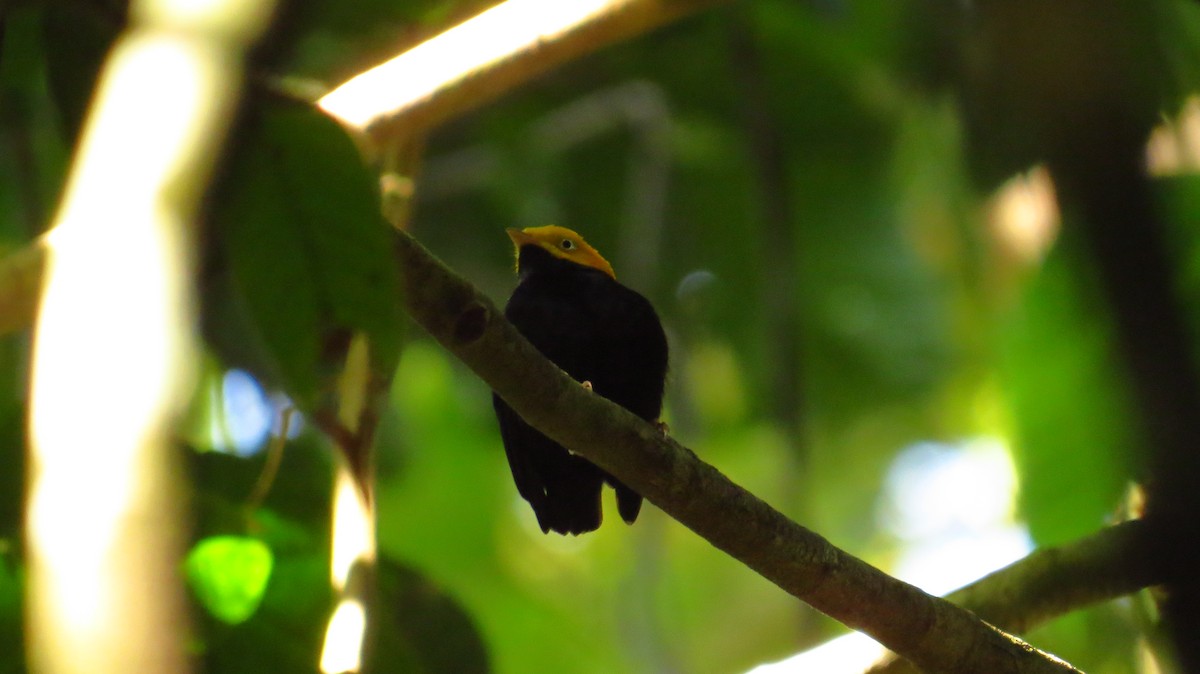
(598, 331)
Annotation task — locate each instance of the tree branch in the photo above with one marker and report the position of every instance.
(1107, 188)
(1079, 85)
(484, 82)
(933, 633)
(1054, 581)
(1048, 583)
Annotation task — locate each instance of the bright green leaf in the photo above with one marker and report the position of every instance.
(1074, 435)
(229, 575)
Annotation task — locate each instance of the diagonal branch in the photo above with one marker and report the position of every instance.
(400, 108)
(1108, 564)
(1054, 581)
(933, 633)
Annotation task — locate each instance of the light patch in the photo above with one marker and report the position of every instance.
(1023, 215)
(952, 506)
(114, 353)
(353, 535)
(353, 541)
(499, 32)
(238, 415)
(246, 415)
(1174, 145)
(353, 530)
(935, 489)
(225, 18)
(944, 565)
(852, 653)
(343, 638)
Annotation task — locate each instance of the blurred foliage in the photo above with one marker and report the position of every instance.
(891, 122)
(1056, 346)
(293, 174)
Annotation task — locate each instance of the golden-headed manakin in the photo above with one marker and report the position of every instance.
(570, 306)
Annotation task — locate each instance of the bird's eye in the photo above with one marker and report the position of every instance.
(567, 244)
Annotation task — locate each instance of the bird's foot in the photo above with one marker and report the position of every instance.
(663, 428)
(587, 385)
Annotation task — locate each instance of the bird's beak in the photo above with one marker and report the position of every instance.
(519, 238)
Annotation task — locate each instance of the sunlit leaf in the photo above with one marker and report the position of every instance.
(229, 575)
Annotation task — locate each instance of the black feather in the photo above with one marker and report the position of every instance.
(596, 330)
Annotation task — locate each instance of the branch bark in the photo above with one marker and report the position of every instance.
(1054, 581)
(936, 635)
(621, 20)
(1046, 584)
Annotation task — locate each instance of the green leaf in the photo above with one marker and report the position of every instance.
(33, 145)
(12, 591)
(422, 626)
(287, 632)
(229, 575)
(308, 251)
(1068, 395)
(78, 38)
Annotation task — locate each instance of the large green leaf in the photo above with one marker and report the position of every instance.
(422, 626)
(33, 151)
(309, 254)
(1075, 447)
(78, 36)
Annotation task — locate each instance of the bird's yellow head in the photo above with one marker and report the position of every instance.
(562, 243)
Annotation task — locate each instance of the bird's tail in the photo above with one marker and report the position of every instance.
(629, 502)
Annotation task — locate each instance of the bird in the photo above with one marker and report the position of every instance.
(569, 305)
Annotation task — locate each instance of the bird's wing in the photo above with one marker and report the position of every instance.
(631, 353)
(563, 489)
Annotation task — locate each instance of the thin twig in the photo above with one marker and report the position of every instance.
(620, 20)
(266, 478)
